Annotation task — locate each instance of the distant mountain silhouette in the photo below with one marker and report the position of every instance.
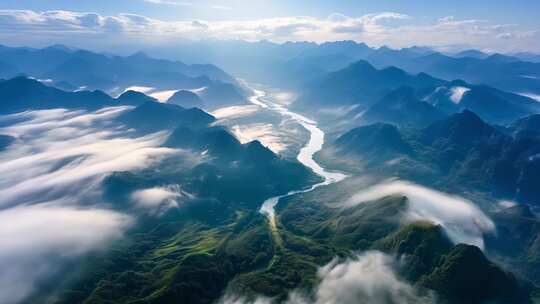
(471, 53)
(491, 104)
(380, 141)
(218, 95)
(526, 56)
(134, 98)
(402, 107)
(154, 116)
(378, 96)
(105, 72)
(186, 99)
(500, 71)
(21, 94)
(359, 83)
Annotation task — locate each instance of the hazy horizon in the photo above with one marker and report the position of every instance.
(100, 25)
(269, 152)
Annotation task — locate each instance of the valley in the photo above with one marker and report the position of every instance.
(343, 174)
(305, 155)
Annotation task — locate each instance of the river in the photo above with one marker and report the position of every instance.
(305, 156)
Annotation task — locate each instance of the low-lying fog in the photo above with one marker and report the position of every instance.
(50, 203)
(462, 220)
(369, 277)
(51, 209)
(159, 95)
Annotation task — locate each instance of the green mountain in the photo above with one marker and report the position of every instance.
(517, 240)
(401, 107)
(377, 142)
(461, 151)
(420, 245)
(464, 269)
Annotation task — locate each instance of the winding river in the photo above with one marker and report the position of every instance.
(305, 156)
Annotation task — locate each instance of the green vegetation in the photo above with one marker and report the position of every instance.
(466, 276)
(198, 259)
(422, 246)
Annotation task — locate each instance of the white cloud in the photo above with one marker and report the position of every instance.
(163, 96)
(59, 149)
(265, 133)
(234, 112)
(235, 299)
(141, 89)
(367, 278)
(457, 93)
(386, 28)
(34, 238)
(460, 218)
(160, 199)
(51, 208)
(506, 204)
(188, 4)
(531, 95)
(170, 2)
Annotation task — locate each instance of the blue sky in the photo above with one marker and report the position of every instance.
(489, 25)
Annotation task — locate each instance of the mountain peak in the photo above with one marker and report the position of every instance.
(140, 55)
(471, 53)
(470, 116)
(23, 81)
(467, 267)
(59, 47)
(134, 98)
(394, 71)
(500, 58)
(362, 64)
(186, 99)
(463, 129)
(378, 138)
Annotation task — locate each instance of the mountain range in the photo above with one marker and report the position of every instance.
(75, 70)
(193, 196)
(292, 64)
(460, 151)
(392, 95)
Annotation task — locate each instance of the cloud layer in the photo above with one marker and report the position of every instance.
(51, 208)
(460, 218)
(367, 278)
(158, 200)
(58, 149)
(386, 28)
(34, 239)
